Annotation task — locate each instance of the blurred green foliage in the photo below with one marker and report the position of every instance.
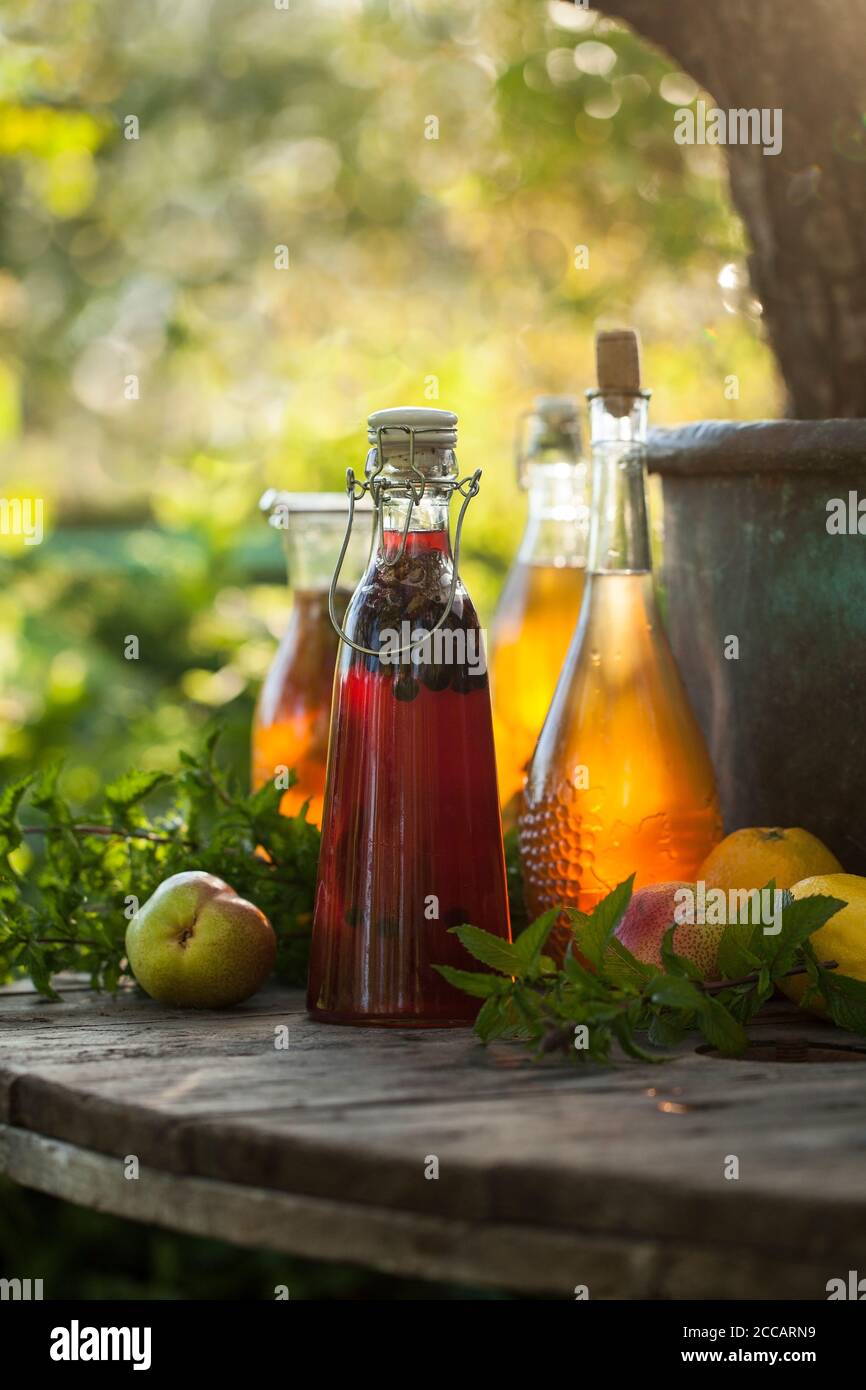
(70, 605)
(157, 369)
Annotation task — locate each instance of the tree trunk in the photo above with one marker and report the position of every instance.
(805, 209)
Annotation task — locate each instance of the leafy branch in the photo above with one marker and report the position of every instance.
(111, 831)
(602, 1001)
(69, 883)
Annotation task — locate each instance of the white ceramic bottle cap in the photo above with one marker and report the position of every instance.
(436, 429)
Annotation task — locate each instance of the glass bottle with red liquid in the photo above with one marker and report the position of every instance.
(290, 725)
(411, 831)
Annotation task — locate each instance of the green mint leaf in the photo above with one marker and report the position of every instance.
(44, 794)
(593, 933)
(744, 946)
(491, 1020)
(12, 795)
(811, 962)
(211, 739)
(528, 1007)
(720, 1028)
(745, 1001)
(529, 945)
(675, 992)
(767, 945)
(132, 787)
(481, 986)
(667, 1029)
(576, 973)
(800, 918)
(268, 797)
(736, 954)
(37, 969)
(489, 949)
(624, 969)
(845, 998)
(624, 1032)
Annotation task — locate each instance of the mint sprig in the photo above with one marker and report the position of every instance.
(603, 1002)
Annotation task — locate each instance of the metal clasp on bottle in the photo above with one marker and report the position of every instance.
(379, 489)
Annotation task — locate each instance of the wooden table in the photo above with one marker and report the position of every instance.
(549, 1177)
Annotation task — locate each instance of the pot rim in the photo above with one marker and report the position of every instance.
(757, 447)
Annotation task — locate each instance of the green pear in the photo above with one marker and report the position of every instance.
(197, 944)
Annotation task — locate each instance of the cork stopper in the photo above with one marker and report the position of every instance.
(617, 356)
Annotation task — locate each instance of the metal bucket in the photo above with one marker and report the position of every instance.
(766, 612)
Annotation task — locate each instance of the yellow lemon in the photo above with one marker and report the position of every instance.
(842, 938)
(750, 858)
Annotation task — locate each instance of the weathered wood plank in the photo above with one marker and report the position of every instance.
(632, 1155)
(516, 1256)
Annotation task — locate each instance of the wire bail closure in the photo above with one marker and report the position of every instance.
(379, 488)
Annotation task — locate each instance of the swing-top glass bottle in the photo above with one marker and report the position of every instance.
(621, 781)
(411, 837)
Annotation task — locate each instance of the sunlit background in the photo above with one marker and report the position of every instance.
(227, 235)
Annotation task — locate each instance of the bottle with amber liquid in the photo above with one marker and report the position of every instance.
(540, 602)
(411, 832)
(290, 724)
(621, 781)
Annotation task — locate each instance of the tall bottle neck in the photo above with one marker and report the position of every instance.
(558, 520)
(619, 533)
(430, 515)
(400, 477)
